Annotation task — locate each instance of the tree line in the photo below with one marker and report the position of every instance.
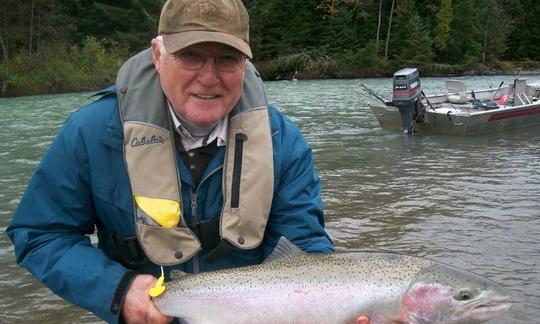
(66, 45)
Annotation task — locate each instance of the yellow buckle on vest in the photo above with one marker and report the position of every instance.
(165, 212)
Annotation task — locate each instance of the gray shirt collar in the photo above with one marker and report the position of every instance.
(190, 142)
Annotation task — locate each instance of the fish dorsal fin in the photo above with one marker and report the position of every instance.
(284, 249)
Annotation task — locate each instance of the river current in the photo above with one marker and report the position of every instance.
(472, 202)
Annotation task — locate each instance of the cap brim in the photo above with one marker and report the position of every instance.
(177, 41)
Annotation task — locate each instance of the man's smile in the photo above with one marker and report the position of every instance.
(206, 97)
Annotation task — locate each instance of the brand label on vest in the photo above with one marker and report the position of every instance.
(147, 140)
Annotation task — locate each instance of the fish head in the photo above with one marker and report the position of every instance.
(444, 294)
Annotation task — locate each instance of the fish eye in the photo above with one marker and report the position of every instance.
(463, 294)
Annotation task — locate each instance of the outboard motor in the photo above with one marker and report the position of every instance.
(405, 97)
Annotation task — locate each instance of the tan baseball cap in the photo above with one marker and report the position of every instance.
(187, 22)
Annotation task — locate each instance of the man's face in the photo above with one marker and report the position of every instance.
(205, 94)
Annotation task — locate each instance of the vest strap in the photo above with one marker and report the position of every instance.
(129, 250)
(223, 249)
(207, 232)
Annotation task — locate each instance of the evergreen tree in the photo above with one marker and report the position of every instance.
(324, 37)
(130, 23)
(281, 27)
(524, 40)
(495, 29)
(410, 43)
(442, 29)
(415, 50)
(351, 20)
(27, 24)
(465, 42)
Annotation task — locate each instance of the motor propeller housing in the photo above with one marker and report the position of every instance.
(405, 96)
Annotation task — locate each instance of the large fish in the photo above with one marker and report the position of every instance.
(295, 287)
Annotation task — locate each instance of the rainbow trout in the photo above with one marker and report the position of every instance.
(295, 287)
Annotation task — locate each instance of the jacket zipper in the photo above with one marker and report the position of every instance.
(195, 216)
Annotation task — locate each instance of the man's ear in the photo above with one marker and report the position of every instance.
(156, 54)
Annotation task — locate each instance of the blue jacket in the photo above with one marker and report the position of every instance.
(82, 185)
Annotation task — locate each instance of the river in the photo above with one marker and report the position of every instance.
(471, 202)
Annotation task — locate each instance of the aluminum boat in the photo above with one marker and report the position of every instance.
(457, 111)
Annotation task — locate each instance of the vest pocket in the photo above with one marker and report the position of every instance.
(240, 138)
(167, 246)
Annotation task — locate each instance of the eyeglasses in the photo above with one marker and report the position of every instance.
(229, 62)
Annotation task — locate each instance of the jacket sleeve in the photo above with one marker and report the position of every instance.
(51, 227)
(297, 208)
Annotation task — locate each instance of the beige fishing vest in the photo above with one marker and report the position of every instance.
(150, 158)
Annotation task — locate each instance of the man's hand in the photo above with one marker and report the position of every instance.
(362, 320)
(138, 307)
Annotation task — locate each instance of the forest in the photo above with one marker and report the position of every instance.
(53, 46)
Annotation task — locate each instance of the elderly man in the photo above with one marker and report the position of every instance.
(181, 166)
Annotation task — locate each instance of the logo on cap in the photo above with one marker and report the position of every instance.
(206, 10)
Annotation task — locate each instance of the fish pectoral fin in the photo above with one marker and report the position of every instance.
(284, 249)
(378, 318)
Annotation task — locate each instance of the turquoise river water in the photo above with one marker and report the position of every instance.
(471, 202)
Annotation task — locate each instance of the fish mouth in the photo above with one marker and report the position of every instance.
(485, 310)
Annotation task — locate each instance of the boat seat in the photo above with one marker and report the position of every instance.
(520, 97)
(455, 92)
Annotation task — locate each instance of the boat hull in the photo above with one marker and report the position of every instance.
(450, 121)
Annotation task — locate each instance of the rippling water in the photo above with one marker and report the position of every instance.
(472, 202)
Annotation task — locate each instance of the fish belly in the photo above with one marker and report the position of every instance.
(280, 305)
